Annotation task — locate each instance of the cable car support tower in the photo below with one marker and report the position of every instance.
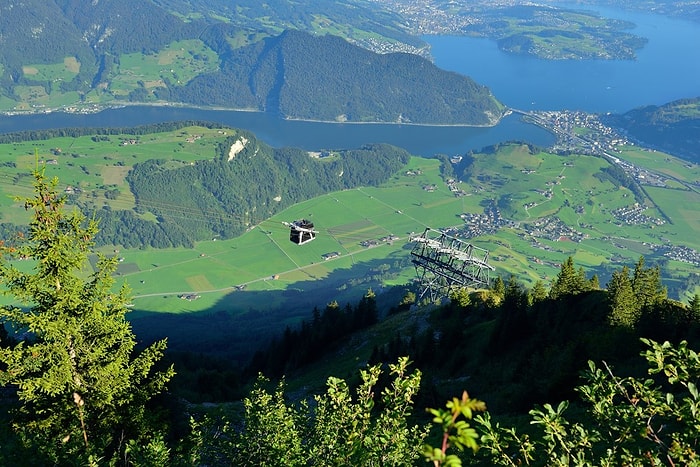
(444, 263)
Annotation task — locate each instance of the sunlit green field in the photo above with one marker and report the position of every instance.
(260, 281)
(65, 71)
(661, 162)
(95, 164)
(179, 62)
(265, 259)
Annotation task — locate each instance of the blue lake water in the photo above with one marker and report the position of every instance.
(667, 68)
(420, 140)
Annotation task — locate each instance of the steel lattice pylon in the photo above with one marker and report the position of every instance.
(443, 262)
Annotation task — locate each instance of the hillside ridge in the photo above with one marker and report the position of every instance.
(673, 127)
(79, 56)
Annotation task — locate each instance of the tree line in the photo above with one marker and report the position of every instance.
(540, 338)
(76, 132)
(326, 331)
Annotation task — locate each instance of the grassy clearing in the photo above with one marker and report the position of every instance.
(178, 62)
(683, 207)
(65, 71)
(661, 162)
(95, 165)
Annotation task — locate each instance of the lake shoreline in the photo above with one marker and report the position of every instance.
(176, 105)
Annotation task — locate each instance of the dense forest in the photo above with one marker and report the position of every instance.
(672, 127)
(532, 343)
(297, 75)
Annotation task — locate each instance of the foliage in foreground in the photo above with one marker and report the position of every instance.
(629, 421)
(81, 385)
(332, 429)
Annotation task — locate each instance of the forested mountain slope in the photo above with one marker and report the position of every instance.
(84, 55)
(37, 31)
(326, 78)
(672, 127)
(361, 22)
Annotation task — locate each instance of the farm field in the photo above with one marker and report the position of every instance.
(228, 294)
(264, 259)
(661, 162)
(95, 164)
(178, 62)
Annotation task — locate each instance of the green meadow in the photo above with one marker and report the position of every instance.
(65, 71)
(95, 164)
(253, 285)
(661, 163)
(264, 258)
(178, 62)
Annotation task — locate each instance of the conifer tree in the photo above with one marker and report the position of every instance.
(694, 305)
(515, 297)
(367, 311)
(568, 281)
(625, 308)
(460, 297)
(499, 287)
(81, 385)
(646, 283)
(594, 283)
(538, 292)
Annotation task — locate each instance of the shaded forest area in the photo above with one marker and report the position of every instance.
(512, 345)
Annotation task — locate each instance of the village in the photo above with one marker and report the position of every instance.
(599, 140)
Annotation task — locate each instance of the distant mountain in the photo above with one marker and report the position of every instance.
(125, 26)
(53, 47)
(92, 53)
(672, 127)
(298, 75)
(37, 31)
(688, 10)
(370, 24)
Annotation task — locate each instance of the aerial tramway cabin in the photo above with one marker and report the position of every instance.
(301, 231)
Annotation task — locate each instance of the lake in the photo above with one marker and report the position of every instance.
(668, 68)
(313, 136)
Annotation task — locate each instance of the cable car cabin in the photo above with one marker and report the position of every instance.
(301, 232)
